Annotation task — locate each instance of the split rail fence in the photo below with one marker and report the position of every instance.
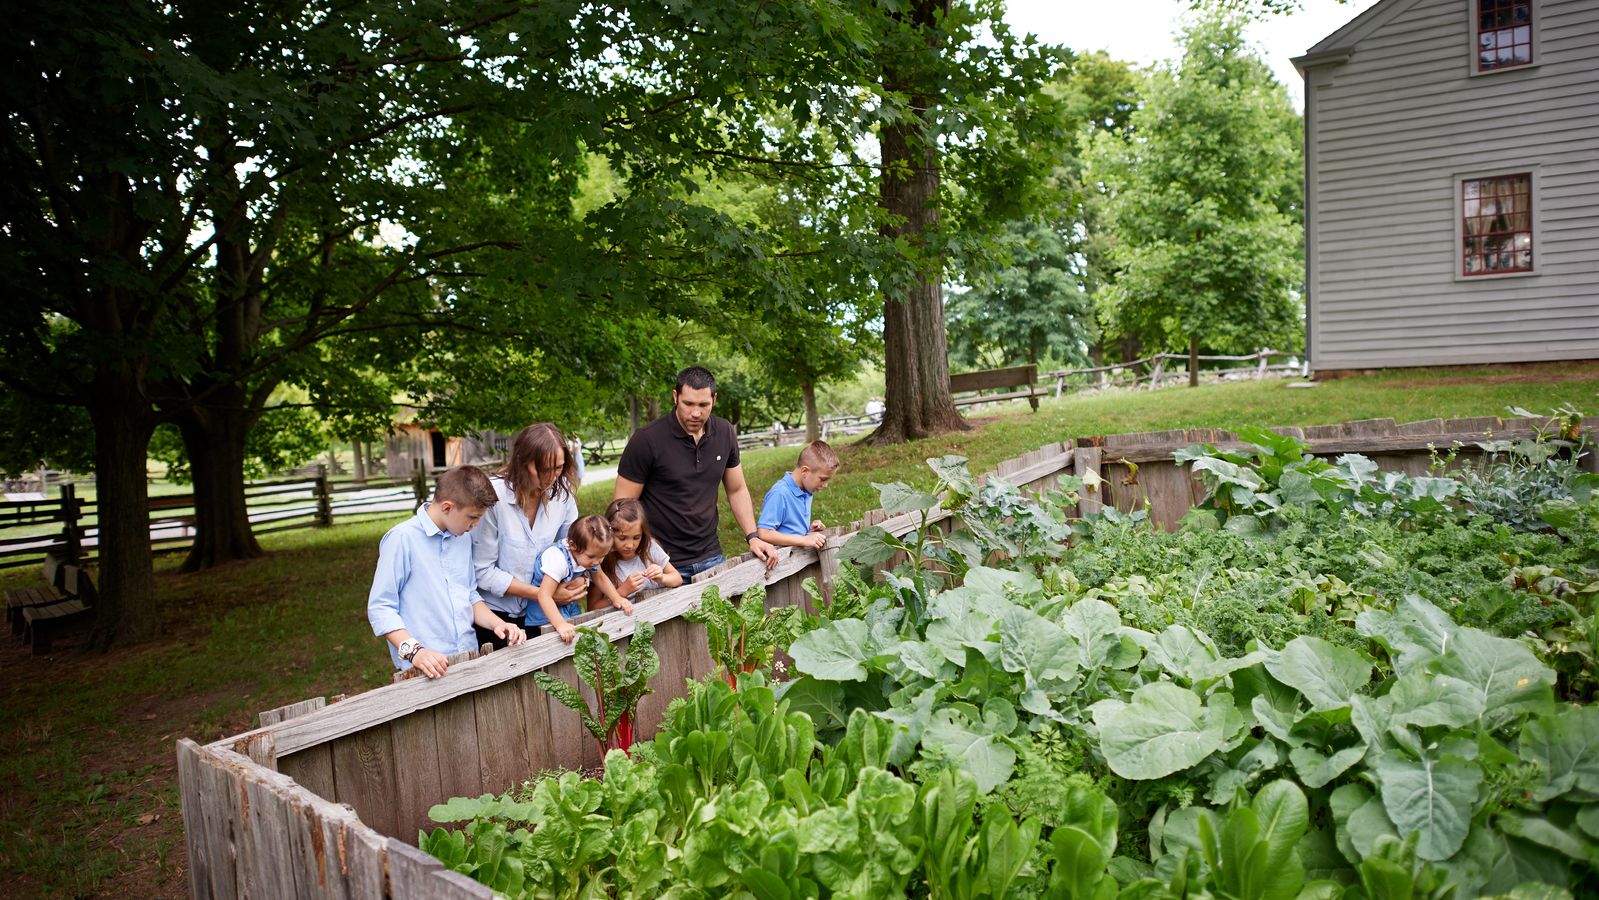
(324, 800)
(69, 525)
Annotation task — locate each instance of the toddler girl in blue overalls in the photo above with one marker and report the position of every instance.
(578, 556)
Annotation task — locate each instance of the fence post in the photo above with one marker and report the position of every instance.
(419, 482)
(71, 534)
(324, 502)
(1260, 371)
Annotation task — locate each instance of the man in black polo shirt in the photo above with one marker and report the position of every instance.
(673, 466)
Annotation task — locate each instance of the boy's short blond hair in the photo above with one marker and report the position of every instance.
(465, 486)
(819, 456)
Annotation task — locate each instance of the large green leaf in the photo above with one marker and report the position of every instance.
(1565, 745)
(1423, 699)
(1183, 652)
(1164, 729)
(1503, 674)
(1414, 633)
(1033, 646)
(953, 473)
(1097, 628)
(1368, 824)
(1316, 769)
(837, 651)
(954, 633)
(896, 498)
(1433, 797)
(1328, 675)
(870, 546)
(977, 751)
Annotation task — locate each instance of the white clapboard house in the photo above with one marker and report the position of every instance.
(1452, 185)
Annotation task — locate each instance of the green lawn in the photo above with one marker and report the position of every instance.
(88, 802)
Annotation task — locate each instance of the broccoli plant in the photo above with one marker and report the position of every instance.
(618, 686)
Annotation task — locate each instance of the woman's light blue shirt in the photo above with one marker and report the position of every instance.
(425, 584)
(505, 545)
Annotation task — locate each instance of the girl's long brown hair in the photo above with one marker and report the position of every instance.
(627, 511)
(536, 446)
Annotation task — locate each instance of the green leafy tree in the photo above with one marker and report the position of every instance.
(205, 203)
(1033, 308)
(1030, 290)
(1205, 203)
(955, 92)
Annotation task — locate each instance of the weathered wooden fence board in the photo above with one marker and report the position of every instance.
(418, 769)
(364, 776)
(455, 728)
(312, 768)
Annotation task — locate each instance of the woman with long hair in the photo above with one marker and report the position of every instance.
(537, 488)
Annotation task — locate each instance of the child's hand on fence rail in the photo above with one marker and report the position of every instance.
(430, 662)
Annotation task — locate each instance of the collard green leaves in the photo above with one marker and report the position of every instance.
(1326, 674)
(1162, 729)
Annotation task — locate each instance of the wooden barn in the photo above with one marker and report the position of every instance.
(410, 444)
(1452, 185)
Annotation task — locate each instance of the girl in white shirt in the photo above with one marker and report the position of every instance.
(636, 562)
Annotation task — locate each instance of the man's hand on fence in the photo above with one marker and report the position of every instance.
(764, 552)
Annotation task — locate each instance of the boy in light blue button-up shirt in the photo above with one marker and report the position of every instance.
(424, 594)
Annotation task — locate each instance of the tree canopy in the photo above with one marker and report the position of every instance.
(1204, 203)
(208, 203)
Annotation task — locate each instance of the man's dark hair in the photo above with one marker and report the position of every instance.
(696, 377)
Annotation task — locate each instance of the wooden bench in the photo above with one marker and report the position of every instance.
(21, 598)
(41, 625)
(1020, 382)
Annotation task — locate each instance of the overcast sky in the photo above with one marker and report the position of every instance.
(1142, 31)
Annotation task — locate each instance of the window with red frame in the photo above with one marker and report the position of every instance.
(1504, 34)
(1497, 217)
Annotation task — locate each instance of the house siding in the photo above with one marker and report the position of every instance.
(1387, 132)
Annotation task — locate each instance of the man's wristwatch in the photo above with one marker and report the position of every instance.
(751, 536)
(409, 649)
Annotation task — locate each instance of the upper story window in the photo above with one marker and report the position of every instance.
(1496, 224)
(1504, 34)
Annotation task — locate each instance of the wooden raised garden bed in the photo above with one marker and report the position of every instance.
(326, 800)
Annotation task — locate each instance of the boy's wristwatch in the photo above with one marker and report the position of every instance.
(409, 649)
(751, 536)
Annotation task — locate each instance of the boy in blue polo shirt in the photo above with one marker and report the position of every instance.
(786, 511)
(424, 594)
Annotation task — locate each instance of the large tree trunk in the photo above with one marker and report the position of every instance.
(1193, 361)
(1130, 346)
(359, 448)
(813, 422)
(127, 609)
(213, 437)
(915, 348)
